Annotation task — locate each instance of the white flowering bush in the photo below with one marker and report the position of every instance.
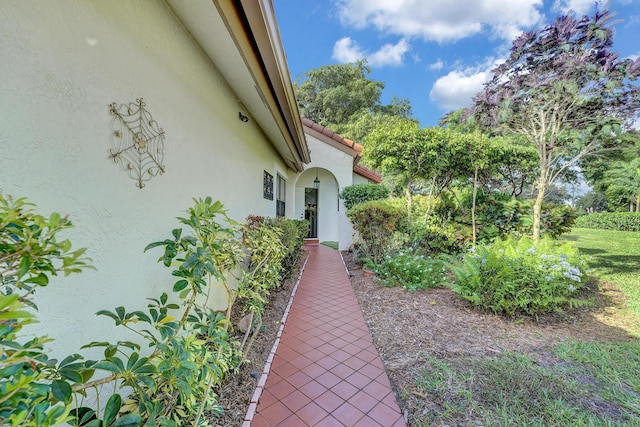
(515, 276)
(411, 271)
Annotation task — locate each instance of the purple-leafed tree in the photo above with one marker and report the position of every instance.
(565, 91)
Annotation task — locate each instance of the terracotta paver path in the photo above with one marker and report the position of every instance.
(325, 370)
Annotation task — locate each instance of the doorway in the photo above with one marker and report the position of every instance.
(311, 211)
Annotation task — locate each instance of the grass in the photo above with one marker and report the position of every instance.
(511, 390)
(615, 256)
(592, 384)
(331, 244)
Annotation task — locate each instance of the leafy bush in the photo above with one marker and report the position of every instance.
(360, 193)
(293, 232)
(556, 219)
(411, 271)
(499, 214)
(448, 238)
(33, 388)
(189, 351)
(515, 276)
(376, 222)
(620, 221)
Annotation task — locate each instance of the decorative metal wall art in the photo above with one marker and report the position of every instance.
(137, 141)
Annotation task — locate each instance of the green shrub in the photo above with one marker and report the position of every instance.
(499, 214)
(448, 238)
(188, 351)
(376, 222)
(293, 232)
(411, 271)
(556, 219)
(34, 390)
(619, 221)
(515, 276)
(360, 193)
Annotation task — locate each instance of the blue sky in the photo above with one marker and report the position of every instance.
(436, 53)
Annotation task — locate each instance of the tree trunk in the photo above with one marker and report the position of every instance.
(537, 212)
(409, 197)
(638, 204)
(473, 205)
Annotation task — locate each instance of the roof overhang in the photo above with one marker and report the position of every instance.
(370, 174)
(336, 140)
(242, 39)
(326, 135)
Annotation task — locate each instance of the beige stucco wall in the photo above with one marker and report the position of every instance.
(63, 63)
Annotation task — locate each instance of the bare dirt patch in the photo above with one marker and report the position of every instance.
(406, 326)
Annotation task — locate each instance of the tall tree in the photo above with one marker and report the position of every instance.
(622, 182)
(511, 162)
(343, 98)
(565, 92)
(333, 94)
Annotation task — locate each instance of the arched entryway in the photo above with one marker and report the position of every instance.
(317, 201)
(311, 196)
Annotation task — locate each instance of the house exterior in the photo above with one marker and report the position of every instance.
(334, 161)
(118, 113)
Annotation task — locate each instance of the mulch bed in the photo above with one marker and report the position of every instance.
(437, 323)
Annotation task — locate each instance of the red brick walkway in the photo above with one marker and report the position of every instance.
(325, 370)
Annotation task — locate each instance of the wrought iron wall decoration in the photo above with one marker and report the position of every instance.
(267, 185)
(137, 142)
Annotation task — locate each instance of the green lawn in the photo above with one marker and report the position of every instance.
(595, 384)
(615, 256)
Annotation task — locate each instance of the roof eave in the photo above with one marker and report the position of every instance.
(253, 26)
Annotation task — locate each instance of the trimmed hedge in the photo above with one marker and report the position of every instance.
(365, 192)
(620, 221)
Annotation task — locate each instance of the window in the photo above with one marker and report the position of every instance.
(267, 185)
(281, 195)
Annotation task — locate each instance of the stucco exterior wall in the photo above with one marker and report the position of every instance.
(359, 179)
(63, 63)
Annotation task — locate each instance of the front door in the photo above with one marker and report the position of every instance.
(311, 211)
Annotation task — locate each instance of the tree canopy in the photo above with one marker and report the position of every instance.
(565, 91)
(343, 98)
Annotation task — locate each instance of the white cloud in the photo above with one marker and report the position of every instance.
(579, 7)
(389, 54)
(437, 66)
(457, 89)
(441, 20)
(347, 50)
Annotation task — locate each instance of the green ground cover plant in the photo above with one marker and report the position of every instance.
(331, 244)
(516, 275)
(411, 271)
